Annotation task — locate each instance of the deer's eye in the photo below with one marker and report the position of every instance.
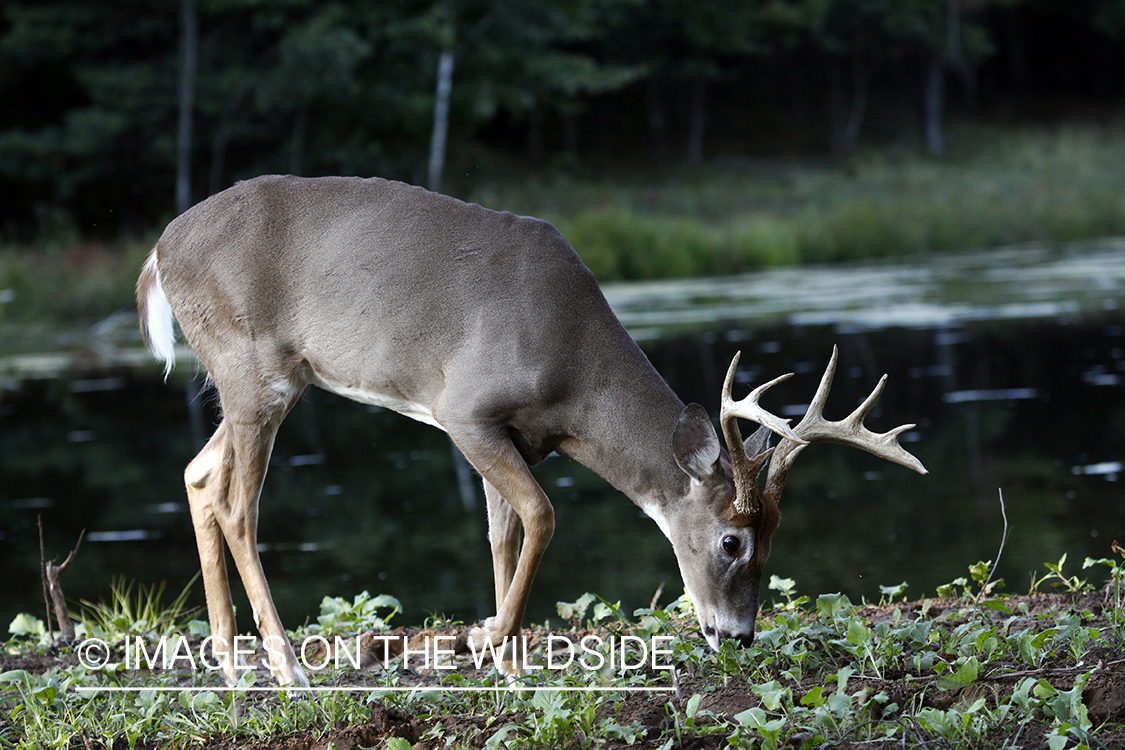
(731, 545)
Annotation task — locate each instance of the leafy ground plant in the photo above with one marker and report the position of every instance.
(1043, 670)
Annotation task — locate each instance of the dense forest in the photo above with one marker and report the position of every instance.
(116, 113)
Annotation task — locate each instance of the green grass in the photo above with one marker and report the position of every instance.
(82, 282)
(959, 671)
(997, 186)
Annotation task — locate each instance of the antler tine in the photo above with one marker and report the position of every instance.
(748, 408)
(814, 428)
(816, 407)
(851, 430)
(868, 404)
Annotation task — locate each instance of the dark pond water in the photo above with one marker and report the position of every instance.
(360, 498)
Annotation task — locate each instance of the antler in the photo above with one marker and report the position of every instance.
(813, 428)
(745, 468)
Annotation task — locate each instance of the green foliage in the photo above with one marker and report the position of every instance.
(979, 572)
(574, 612)
(787, 587)
(303, 87)
(761, 241)
(623, 245)
(817, 676)
(338, 616)
(1116, 576)
(1055, 576)
(999, 187)
(25, 624)
(58, 282)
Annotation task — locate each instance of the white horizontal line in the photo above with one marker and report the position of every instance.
(423, 689)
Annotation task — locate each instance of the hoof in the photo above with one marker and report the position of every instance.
(234, 678)
(290, 676)
(508, 650)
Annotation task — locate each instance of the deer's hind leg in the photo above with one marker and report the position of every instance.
(224, 484)
(206, 489)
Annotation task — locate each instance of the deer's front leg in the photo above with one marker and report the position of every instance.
(510, 479)
(504, 539)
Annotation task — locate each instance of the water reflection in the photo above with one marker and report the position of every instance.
(360, 498)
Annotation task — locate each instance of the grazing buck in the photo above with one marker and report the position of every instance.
(483, 324)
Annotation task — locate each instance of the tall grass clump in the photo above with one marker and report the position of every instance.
(82, 282)
(621, 244)
(760, 241)
(997, 186)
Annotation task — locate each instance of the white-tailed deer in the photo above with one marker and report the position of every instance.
(483, 324)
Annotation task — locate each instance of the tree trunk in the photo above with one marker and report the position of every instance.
(956, 53)
(858, 110)
(189, 51)
(569, 122)
(218, 159)
(837, 119)
(466, 485)
(698, 121)
(223, 133)
(933, 104)
(441, 119)
(847, 103)
(656, 124)
(297, 141)
(535, 143)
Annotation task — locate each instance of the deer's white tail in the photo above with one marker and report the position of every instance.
(156, 314)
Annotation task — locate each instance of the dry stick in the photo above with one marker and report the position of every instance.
(999, 554)
(656, 596)
(1057, 671)
(43, 575)
(1046, 672)
(66, 627)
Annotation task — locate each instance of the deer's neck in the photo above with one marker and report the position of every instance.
(627, 440)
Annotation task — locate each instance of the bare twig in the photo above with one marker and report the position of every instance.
(43, 574)
(656, 596)
(999, 554)
(1057, 671)
(53, 572)
(1050, 672)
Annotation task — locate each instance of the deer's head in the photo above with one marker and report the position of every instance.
(722, 532)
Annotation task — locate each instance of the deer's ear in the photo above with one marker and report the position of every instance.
(695, 444)
(757, 443)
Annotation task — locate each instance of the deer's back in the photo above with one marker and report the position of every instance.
(387, 287)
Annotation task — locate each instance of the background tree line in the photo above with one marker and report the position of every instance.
(104, 99)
